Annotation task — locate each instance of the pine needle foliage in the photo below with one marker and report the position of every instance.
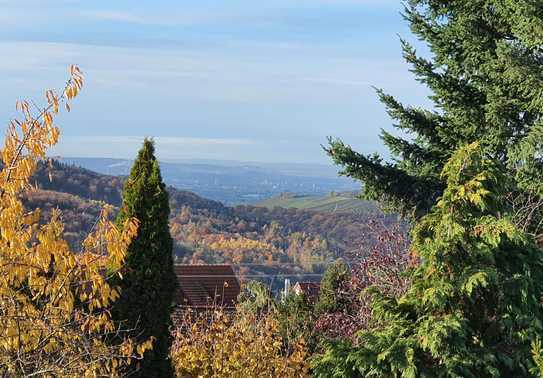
(485, 74)
(474, 306)
(149, 281)
(537, 354)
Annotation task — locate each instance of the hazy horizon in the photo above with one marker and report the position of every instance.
(238, 81)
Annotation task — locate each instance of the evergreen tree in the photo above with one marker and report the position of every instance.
(149, 281)
(330, 299)
(296, 319)
(474, 306)
(486, 79)
(256, 298)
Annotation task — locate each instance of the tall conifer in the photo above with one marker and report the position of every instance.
(474, 306)
(149, 281)
(486, 77)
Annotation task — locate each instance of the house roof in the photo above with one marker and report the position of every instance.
(204, 286)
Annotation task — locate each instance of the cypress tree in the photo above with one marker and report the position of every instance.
(486, 78)
(474, 307)
(149, 281)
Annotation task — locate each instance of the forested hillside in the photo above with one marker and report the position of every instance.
(262, 243)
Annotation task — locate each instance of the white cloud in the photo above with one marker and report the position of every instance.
(163, 140)
(152, 17)
(208, 75)
(167, 147)
(29, 13)
(179, 141)
(108, 15)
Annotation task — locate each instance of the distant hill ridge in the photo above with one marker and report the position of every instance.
(234, 182)
(90, 185)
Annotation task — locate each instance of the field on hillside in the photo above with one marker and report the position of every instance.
(337, 202)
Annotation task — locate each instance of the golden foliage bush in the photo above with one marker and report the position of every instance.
(53, 301)
(241, 344)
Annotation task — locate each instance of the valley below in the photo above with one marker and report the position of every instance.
(268, 243)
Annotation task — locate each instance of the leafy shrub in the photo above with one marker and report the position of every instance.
(220, 344)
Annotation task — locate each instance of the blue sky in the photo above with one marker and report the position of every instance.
(237, 79)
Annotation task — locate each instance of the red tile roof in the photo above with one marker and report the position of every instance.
(204, 286)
